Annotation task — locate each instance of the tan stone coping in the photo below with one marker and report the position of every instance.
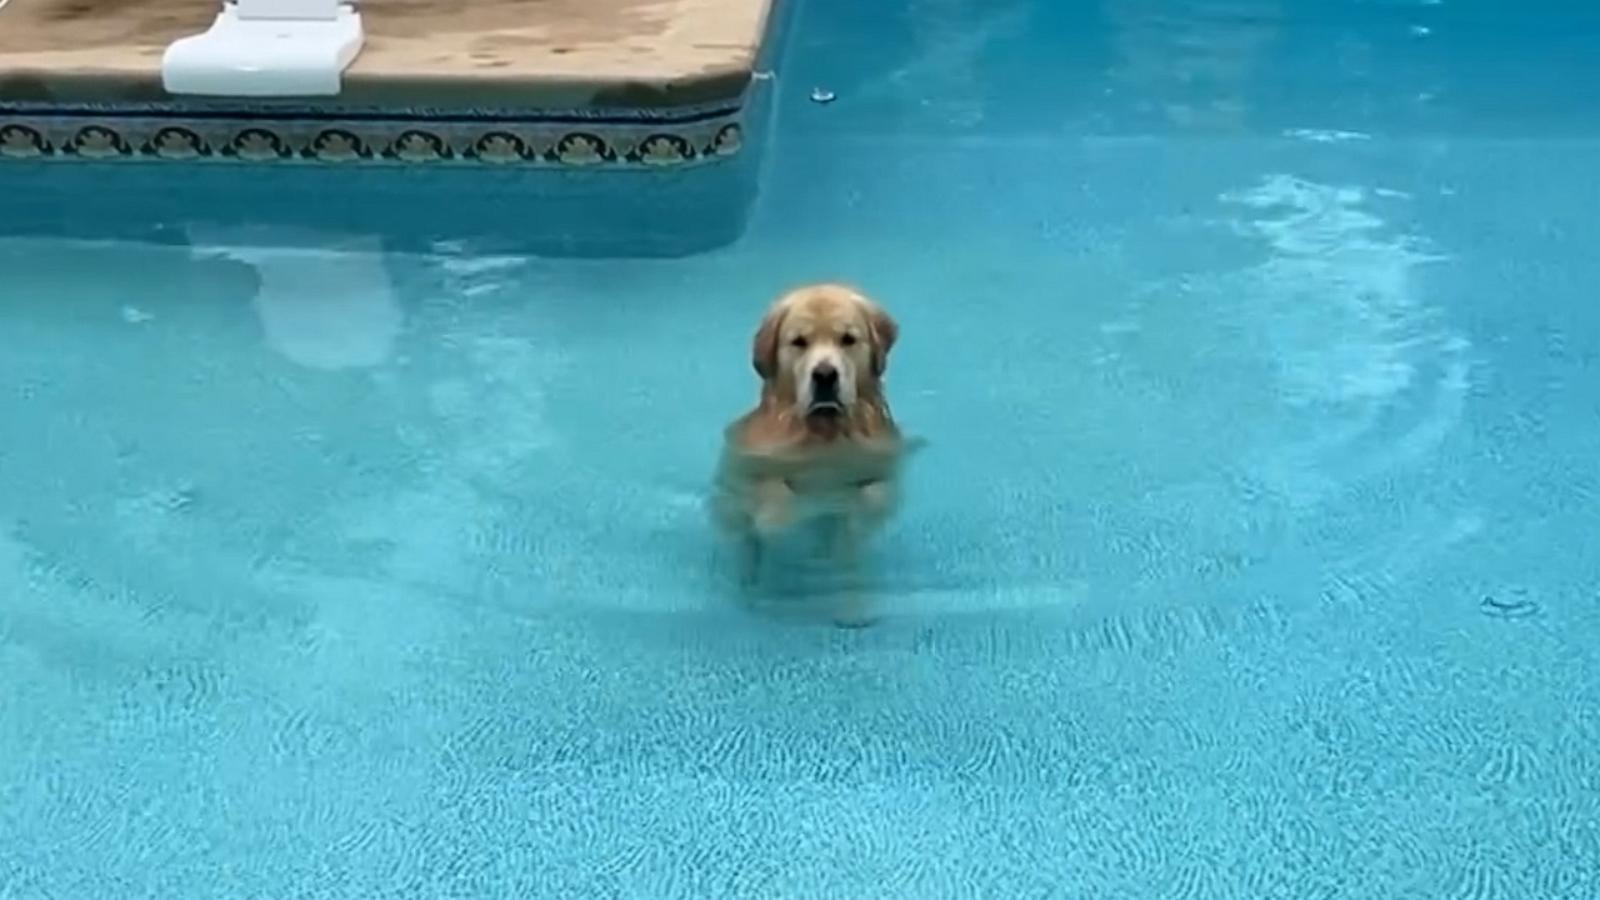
(530, 54)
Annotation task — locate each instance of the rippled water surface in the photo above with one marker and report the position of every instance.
(1252, 553)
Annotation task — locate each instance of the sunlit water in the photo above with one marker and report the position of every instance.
(1253, 552)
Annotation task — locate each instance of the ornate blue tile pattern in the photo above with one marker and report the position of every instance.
(613, 139)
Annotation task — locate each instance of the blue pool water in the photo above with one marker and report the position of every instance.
(1252, 555)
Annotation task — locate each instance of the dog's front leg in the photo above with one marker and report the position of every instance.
(873, 503)
(769, 512)
(773, 507)
(851, 606)
(749, 560)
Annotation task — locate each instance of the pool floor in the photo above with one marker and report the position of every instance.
(1249, 555)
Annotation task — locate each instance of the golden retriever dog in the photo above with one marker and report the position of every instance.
(821, 445)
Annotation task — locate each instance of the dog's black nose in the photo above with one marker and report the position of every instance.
(825, 375)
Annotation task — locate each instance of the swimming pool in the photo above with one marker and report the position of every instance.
(1250, 556)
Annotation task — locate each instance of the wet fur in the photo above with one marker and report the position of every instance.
(781, 467)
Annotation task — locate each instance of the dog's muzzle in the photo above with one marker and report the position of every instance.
(825, 396)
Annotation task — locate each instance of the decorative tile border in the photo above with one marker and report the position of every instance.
(567, 140)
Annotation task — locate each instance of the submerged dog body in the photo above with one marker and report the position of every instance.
(821, 445)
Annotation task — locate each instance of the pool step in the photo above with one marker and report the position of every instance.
(644, 84)
(509, 117)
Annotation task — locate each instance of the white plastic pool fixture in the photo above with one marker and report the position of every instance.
(267, 48)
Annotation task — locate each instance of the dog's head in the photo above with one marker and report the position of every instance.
(824, 349)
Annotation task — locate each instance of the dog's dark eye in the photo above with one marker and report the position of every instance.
(848, 340)
(799, 343)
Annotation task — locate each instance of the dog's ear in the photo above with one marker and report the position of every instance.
(764, 352)
(884, 333)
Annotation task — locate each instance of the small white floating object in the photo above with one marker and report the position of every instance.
(267, 48)
(820, 95)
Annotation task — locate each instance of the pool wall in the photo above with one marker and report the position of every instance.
(647, 169)
(608, 83)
